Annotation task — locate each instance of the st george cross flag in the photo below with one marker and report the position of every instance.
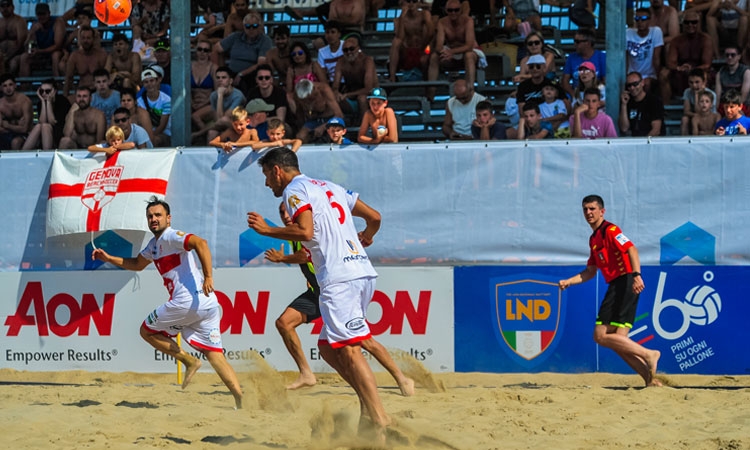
(95, 194)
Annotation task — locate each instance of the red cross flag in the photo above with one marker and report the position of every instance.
(95, 194)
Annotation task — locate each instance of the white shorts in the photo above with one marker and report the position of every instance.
(199, 327)
(343, 307)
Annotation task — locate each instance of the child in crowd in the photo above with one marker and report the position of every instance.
(115, 142)
(705, 118)
(734, 122)
(588, 121)
(554, 110)
(486, 127)
(237, 135)
(336, 131)
(276, 131)
(379, 119)
(531, 125)
(696, 84)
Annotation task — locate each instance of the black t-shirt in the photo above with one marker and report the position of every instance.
(277, 98)
(60, 109)
(642, 113)
(529, 91)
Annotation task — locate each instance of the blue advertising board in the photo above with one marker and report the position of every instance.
(515, 319)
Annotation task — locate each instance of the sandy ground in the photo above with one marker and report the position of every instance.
(76, 410)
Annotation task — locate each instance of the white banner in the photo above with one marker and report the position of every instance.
(105, 193)
(90, 320)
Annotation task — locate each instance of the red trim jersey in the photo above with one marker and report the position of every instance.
(609, 247)
(178, 268)
(336, 252)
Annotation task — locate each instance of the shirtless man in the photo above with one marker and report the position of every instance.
(414, 31)
(84, 125)
(123, 64)
(16, 115)
(666, 18)
(44, 43)
(349, 13)
(234, 21)
(454, 42)
(314, 104)
(12, 31)
(358, 72)
(278, 56)
(84, 61)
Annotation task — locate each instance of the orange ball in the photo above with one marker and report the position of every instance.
(112, 12)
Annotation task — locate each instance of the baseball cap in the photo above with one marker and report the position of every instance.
(536, 59)
(336, 121)
(148, 73)
(588, 65)
(257, 105)
(162, 44)
(377, 93)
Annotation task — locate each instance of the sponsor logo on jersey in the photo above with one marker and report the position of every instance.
(355, 324)
(622, 239)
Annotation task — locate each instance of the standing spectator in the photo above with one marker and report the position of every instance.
(114, 141)
(279, 56)
(51, 111)
(734, 75)
(379, 120)
(486, 127)
(202, 82)
(329, 55)
(413, 33)
(531, 125)
(269, 92)
(585, 52)
(587, 79)
(696, 85)
(159, 108)
(641, 113)
(150, 20)
(302, 66)
(531, 90)
(16, 114)
(44, 43)
(644, 44)
(355, 77)
(535, 46)
(12, 32)
(691, 49)
(138, 116)
(84, 125)
(734, 122)
(124, 64)
(460, 111)
(726, 21)
(315, 104)
(163, 57)
(703, 122)
(454, 46)
(132, 132)
(246, 49)
(588, 121)
(104, 98)
(84, 61)
(667, 19)
(237, 135)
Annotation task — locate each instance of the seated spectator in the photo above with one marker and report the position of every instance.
(115, 141)
(350, 14)
(257, 120)
(138, 116)
(336, 132)
(696, 85)
(202, 82)
(726, 21)
(234, 21)
(691, 49)
(302, 66)
(104, 98)
(531, 89)
(486, 127)
(641, 113)
(223, 101)
(413, 34)
(454, 46)
(84, 61)
(163, 56)
(213, 16)
(279, 56)
(355, 77)
(13, 32)
(734, 75)
(237, 135)
(460, 111)
(159, 108)
(531, 125)
(329, 55)
(276, 130)
(269, 92)
(587, 79)
(246, 50)
(84, 125)
(132, 132)
(667, 19)
(522, 16)
(44, 43)
(16, 114)
(703, 122)
(150, 20)
(733, 123)
(644, 45)
(535, 46)
(553, 109)
(51, 111)
(379, 120)
(81, 15)
(585, 52)
(124, 64)
(314, 104)
(588, 121)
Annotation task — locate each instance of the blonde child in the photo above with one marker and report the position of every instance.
(237, 135)
(554, 110)
(276, 131)
(114, 142)
(705, 117)
(379, 119)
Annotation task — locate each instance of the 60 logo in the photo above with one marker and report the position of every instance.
(701, 306)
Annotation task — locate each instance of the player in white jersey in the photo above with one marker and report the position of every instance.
(192, 308)
(322, 220)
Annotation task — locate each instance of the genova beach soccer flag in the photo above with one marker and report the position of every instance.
(99, 193)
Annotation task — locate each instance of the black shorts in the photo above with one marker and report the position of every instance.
(307, 303)
(619, 304)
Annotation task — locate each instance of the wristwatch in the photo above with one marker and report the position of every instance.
(636, 274)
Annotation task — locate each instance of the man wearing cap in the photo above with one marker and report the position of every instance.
(267, 90)
(644, 45)
(84, 61)
(12, 31)
(460, 111)
(246, 49)
(314, 104)
(355, 77)
(159, 108)
(584, 45)
(531, 89)
(44, 44)
(278, 57)
(164, 59)
(336, 132)
(257, 114)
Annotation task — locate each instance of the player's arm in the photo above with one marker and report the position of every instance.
(301, 230)
(278, 256)
(582, 277)
(137, 264)
(200, 246)
(635, 263)
(372, 221)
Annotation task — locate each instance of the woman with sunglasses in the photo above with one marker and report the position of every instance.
(51, 111)
(202, 79)
(302, 67)
(535, 46)
(587, 79)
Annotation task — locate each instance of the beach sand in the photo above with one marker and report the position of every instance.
(97, 410)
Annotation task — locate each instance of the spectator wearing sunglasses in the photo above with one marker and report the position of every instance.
(269, 92)
(50, 111)
(454, 46)
(132, 132)
(644, 44)
(413, 33)
(531, 90)
(535, 46)
(246, 49)
(355, 77)
(734, 75)
(302, 67)
(583, 41)
(726, 22)
(641, 113)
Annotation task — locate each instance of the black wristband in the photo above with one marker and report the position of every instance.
(636, 274)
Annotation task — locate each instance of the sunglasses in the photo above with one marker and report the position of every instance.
(349, 49)
(121, 119)
(641, 18)
(731, 55)
(203, 49)
(298, 53)
(532, 43)
(535, 66)
(584, 69)
(579, 41)
(690, 22)
(263, 77)
(633, 84)
(252, 25)
(45, 91)
(452, 10)
(412, 1)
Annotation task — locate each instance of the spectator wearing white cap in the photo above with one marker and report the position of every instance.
(159, 108)
(531, 89)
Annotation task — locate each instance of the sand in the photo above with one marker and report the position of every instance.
(97, 410)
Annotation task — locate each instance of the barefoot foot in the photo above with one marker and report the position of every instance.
(407, 387)
(190, 368)
(302, 381)
(652, 361)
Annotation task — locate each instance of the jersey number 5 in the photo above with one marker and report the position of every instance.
(337, 206)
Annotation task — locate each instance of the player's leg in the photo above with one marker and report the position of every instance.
(227, 375)
(630, 351)
(166, 344)
(286, 324)
(376, 349)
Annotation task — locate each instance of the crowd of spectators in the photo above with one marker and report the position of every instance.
(119, 89)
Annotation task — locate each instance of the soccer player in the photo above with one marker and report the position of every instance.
(322, 221)
(192, 307)
(616, 256)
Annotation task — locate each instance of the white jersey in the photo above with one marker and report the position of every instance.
(177, 266)
(640, 51)
(335, 249)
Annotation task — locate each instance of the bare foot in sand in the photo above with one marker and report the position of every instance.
(237, 402)
(305, 380)
(407, 387)
(190, 369)
(652, 362)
